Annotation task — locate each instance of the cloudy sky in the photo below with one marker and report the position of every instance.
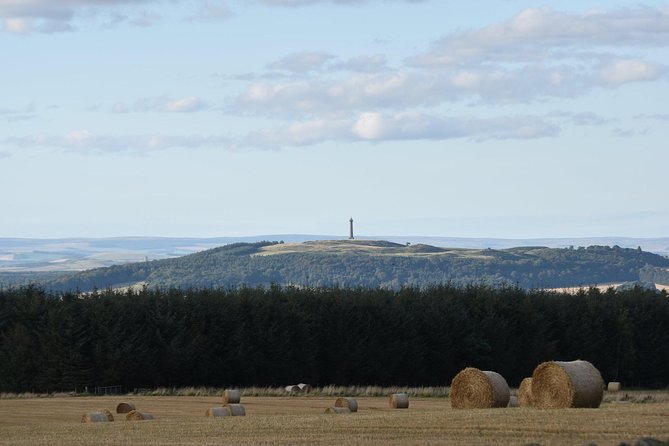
(504, 118)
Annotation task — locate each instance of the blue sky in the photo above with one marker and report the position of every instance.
(504, 118)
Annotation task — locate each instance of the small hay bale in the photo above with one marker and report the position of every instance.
(125, 407)
(305, 388)
(232, 396)
(95, 417)
(399, 401)
(337, 410)
(513, 401)
(110, 416)
(558, 384)
(215, 412)
(236, 410)
(136, 415)
(614, 387)
(476, 389)
(292, 389)
(525, 393)
(350, 403)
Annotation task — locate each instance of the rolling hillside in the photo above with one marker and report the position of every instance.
(353, 263)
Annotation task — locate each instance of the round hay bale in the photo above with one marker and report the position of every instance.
(232, 396)
(337, 410)
(614, 387)
(399, 401)
(110, 416)
(215, 412)
(347, 402)
(305, 388)
(557, 384)
(525, 393)
(125, 407)
(136, 415)
(95, 417)
(292, 389)
(476, 389)
(236, 410)
(513, 401)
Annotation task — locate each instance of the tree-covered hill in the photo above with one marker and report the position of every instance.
(354, 263)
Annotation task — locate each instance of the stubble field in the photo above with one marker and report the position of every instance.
(180, 420)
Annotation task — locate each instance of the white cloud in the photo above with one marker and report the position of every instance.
(377, 127)
(17, 25)
(47, 16)
(163, 104)
(211, 11)
(145, 19)
(369, 125)
(629, 133)
(301, 62)
(580, 119)
(623, 71)
(188, 104)
(533, 34)
(84, 141)
(364, 64)
(366, 126)
(18, 114)
(413, 88)
(293, 3)
(653, 117)
(356, 92)
(537, 55)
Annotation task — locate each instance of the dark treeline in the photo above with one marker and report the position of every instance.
(277, 336)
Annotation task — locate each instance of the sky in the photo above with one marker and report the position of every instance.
(203, 118)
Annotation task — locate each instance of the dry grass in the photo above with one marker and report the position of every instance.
(301, 420)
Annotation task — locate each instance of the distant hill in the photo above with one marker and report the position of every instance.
(79, 254)
(369, 263)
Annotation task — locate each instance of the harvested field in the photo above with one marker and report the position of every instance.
(301, 420)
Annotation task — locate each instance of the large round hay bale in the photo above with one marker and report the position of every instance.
(136, 415)
(95, 417)
(476, 389)
(525, 393)
(125, 407)
(292, 389)
(215, 412)
(399, 401)
(557, 384)
(232, 396)
(236, 410)
(614, 387)
(305, 388)
(337, 410)
(347, 402)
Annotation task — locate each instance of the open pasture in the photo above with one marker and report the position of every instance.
(301, 420)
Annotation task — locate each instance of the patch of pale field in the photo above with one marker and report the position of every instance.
(576, 289)
(602, 288)
(349, 247)
(302, 421)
